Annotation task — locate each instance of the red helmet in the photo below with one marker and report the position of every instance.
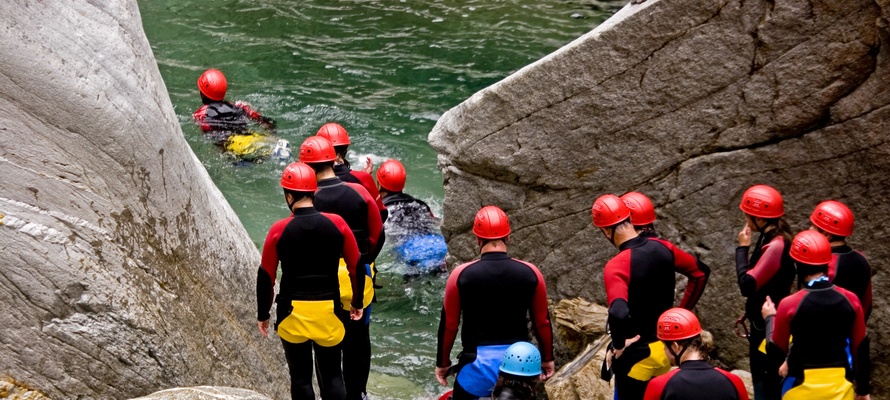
(677, 324)
(641, 210)
(335, 133)
(833, 217)
(810, 247)
(391, 176)
(491, 223)
(609, 210)
(317, 149)
(299, 177)
(212, 84)
(762, 201)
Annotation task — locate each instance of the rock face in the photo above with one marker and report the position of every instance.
(205, 393)
(690, 102)
(124, 270)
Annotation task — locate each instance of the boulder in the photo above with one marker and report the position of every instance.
(690, 102)
(205, 393)
(576, 324)
(580, 378)
(124, 270)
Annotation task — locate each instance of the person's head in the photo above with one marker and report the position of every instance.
(612, 216)
(811, 253)
(519, 370)
(642, 212)
(318, 153)
(681, 333)
(833, 219)
(491, 225)
(391, 177)
(339, 138)
(298, 183)
(764, 207)
(212, 85)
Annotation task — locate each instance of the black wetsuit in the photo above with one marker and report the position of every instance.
(492, 299)
(352, 202)
(696, 379)
(850, 270)
(770, 272)
(823, 320)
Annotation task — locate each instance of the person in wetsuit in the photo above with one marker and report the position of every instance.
(642, 216)
(639, 283)
(686, 348)
(218, 117)
(490, 299)
(826, 322)
(308, 245)
(352, 202)
(848, 268)
(519, 372)
(768, 272)
(340, 138)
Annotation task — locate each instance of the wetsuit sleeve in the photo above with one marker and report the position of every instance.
(737, 383)
(450, 319)
(859, 347)
(253, 114)
(375, 226)
(200, 118)
(265, 279)
(655, 388)
(352, 258)
(751, 280)
(617, 277)
(541, 316)
(782, 321)
(695, 271)
(369, 184)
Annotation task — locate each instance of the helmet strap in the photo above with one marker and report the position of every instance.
(291, 201)
(679, 355)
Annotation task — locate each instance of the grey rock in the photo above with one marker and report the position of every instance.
(123, 268)
(205, 393)
(689, 102)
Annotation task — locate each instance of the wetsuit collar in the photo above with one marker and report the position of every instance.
(635, 242)
(819, 283)
(695, 364)
(842, 249)
(494, 255)
(329, 182)
(302, 211)
(341, 169)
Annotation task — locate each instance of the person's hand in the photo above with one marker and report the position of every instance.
(547, 370)
(369, 165)
(863, 397)
(356, 314)
(768, 309)
(264, 327)
(627, 342)
(745, 236)
(442, 375)
(783, 369)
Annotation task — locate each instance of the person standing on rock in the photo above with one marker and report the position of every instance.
(639, 285)
(494, 296)
(352, 202)
(308, 245)
(827, 323)
(642, 216)
(769, 271)
(687, 348)
(848, 268)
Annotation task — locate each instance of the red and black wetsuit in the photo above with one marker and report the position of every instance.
(494, 296)
(850, 270)
(309, 246)
(770, 272)
(823, 319)
(225, 116)
(696, 379)
(352, 202)
(362, 178)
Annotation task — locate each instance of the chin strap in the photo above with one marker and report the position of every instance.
(677, 356)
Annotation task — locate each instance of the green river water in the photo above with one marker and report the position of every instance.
(385, 70)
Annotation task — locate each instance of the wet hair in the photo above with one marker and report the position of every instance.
(523, 387)
(321, 166)
(703, 344)
(782, 228)
(341, 153)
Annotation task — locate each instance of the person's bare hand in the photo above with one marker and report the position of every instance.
(768, 308)
(369, 165)
(442, 375)
(627, 342)
(863, 397)
(783, 369)
(264, 327)
(547, 370)
(745, 236)
(356, 314)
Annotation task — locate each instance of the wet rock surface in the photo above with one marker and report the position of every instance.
(689, 102)
(124, 270)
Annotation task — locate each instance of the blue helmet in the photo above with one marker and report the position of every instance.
(522, 359)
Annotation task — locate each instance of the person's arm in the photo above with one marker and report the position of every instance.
(255, 115)
(859, 347)
(200, 118)
(617, 277)
(450, 319)
(265, 281)
(695, 271)
(751, 280)
(737, 383)
(368, 183)
(352, 258)
(540, 315)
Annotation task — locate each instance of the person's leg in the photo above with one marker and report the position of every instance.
(299, 364)
(327, 371)
(357, 357)
(627, 388)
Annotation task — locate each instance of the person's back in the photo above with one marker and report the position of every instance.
(695, 379)
(345, 200)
